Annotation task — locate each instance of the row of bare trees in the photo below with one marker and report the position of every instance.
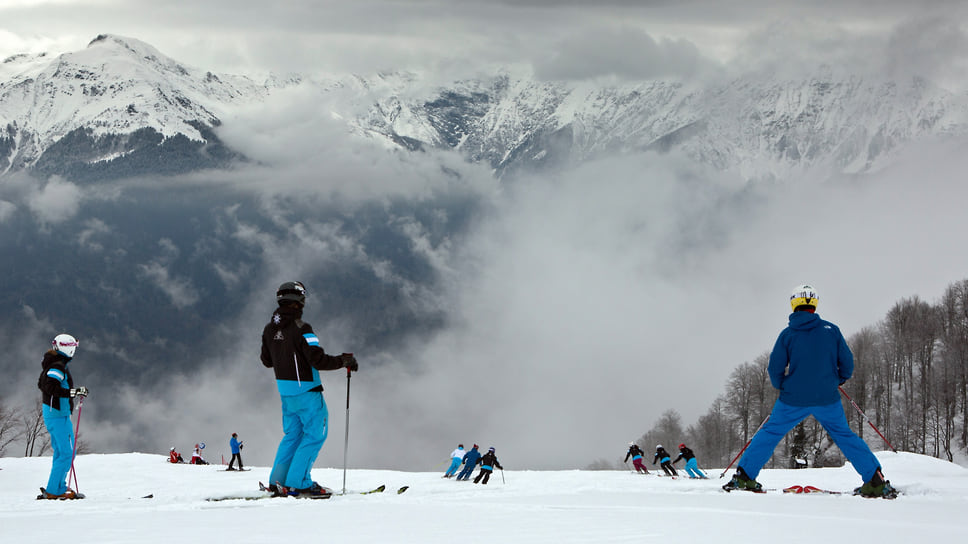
(910, 378)
(25, 427)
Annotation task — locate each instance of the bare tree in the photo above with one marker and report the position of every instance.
(36, 439)
(10, 428)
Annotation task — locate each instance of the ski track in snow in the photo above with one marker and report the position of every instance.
(527, 506)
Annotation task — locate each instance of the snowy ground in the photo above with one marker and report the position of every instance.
(526, 506)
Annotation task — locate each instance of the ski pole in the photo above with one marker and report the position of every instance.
(502, 477)
(346, 438)
(744, 447)
(867, 419)
(77, 429)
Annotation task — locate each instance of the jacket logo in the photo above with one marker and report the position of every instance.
(278, 336)
(276, 318)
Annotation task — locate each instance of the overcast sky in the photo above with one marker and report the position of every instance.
(559, 38)
(568, 337)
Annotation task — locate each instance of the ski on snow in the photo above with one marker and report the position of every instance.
(267, 494)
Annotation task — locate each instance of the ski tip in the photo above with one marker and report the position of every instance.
(402, 489)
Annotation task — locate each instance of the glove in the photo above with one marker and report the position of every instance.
(241, 445)
(350, 362)
(79, 392)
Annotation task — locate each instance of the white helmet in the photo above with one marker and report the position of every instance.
(804, 295)
(65, 344)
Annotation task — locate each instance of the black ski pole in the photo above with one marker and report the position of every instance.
(502, 477)
(346, 438)
(867, 419)
(744, 447)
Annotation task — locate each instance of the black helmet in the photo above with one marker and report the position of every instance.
(293, 291)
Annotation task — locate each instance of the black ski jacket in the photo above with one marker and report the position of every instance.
(684, 453)
(633, 451)
(660, 453)
(489, 461)
(292, 350)
(53, 388)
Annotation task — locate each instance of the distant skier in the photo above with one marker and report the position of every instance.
(174, 456)
(58, 390)
(236, 448)
(197, 458)
(291, 349)
(636, 453)
(471, 459)
(692, 465)
(808, 364)
(488, 464)
(456, 457)
(665, 460)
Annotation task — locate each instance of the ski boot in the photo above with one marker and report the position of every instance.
(743, 482)
(877, 487)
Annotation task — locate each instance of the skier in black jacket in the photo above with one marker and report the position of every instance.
(58, 388)
(665, 460)
(488, 462)
(692, 465)
(292, 351)
(636, 453)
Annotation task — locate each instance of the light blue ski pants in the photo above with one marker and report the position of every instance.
(305, 422)
(62, 444)
(784, 417)
(692, 469)
(454, 465)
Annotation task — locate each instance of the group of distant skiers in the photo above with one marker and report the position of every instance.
(470, 460)
(234, 444)
(665, 461)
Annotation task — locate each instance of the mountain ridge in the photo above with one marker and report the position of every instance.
(120, 107)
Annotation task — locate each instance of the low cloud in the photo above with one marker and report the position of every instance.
(56, 201)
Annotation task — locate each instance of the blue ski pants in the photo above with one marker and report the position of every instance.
(454, 465)
(784, 417)
(467, 471)
(62, 444)
(305, 422)
(692, 469)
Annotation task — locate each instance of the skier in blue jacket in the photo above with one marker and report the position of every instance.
(471, 459)
(236, 448)
(809, 362)
(58, 403)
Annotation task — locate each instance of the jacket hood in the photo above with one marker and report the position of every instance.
(284, 315)
(804, 321)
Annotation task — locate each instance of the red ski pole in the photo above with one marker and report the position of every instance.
(867, 419)
(744, 447)
(77, 429)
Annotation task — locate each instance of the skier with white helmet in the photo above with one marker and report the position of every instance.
(636, 453)
(57, 385)
(808, 364)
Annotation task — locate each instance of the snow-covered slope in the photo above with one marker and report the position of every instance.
(522, 506)
(120, 97)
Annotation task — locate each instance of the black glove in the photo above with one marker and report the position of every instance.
(241, 445)
(79, 392)
(350, 362)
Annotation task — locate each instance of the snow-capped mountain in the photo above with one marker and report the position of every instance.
(120, 107)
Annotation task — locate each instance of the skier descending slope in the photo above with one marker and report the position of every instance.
(809, 362)
(292, 350)
(58, 387)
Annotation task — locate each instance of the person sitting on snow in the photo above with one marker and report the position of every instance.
(174, 456)
(197, 456)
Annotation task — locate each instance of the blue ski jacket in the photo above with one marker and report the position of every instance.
(809, 361)
(234, 445)
(471, 458)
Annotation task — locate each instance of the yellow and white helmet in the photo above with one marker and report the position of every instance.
(804, 295)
